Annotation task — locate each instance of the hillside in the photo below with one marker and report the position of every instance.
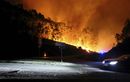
(20, 30)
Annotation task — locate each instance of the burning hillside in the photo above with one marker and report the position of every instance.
(91, 24)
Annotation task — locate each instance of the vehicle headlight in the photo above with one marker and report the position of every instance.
(113, 62)
(103, 62)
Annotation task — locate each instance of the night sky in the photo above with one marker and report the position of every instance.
(102, 19)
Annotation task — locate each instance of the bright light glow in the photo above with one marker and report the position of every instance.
(113, 62)
(101, 51)
(103, 62)
(45, 55)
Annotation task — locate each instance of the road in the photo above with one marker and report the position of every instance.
(44, 69)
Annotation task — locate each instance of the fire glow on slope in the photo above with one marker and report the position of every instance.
(75, 14)
(91, 24)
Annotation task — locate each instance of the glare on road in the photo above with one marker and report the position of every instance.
(41, 69)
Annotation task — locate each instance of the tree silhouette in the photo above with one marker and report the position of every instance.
(125, 32)
(21, 30)
(123, 42)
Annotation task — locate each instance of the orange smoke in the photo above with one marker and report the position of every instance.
(91, 24)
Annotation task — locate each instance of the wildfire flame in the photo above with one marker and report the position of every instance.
(76, 15)
(62, 33)
(91, 24)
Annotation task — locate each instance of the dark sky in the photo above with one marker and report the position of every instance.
(104, 18)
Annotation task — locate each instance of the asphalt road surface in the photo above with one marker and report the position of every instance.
(43, 69)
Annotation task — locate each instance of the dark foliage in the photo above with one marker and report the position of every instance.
(123, 42)
(15, 39)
